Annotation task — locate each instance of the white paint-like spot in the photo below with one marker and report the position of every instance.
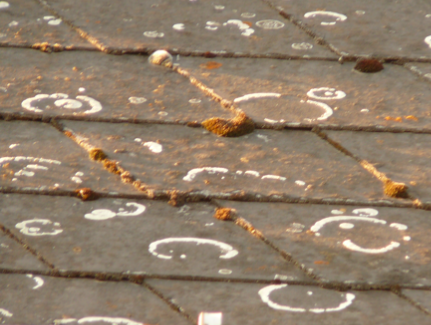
(183, 256)
(265, 292)
(270, 24)
(321, 223)
(280, 178)
(398, 226)
(26, 228)
(23, 172)
(366, 212)
(365, 110)
(92, 319)
(239, 172)
(104, 214)
(263, 137)
(48, 17)
(336, 212)
(39, 281)
(270, 121)
(211, 170)
(246, 30)
(31, 159)
(76, 179)
(225, 271)
(209, 224)
(137, 100)
(212, 318)
(252, 172)
(407, 238)
(227, 250)
(13, 145)
(328, 93)
(79, 174)
(353, 247)
(212, 25)
(407, 257)
(62, 101)
(68, 103)
(81, 89)
(220, 8)
(427, 40)
(4, 245)
(161, 113)
(94, 104)
(256, 96)
(13, 23)
(300, 183)
(194, 101)
(154, 34)
(302, 46)
(5, 312)
(328, 110)
(138, 140)
(310, 293)
(338, 17)
(248, 15)
(346, 225)
(178, 27)
(55, 22)
(428, 16)
(4, 4)
(153, 146)
(360, 12)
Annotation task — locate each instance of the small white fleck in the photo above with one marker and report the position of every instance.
(55, 22)
(225, 271)
(248, 15)
(81, 89)
(194, 101)
(179, 27)
(209, 224)
(270, 24)
(360, 12)
(407, 257)
(13, 23)
(4, 4)
(183, 256)
(4, 245)
(138, 139)
(407, 238)
(302, 46)
(300, 183)
(219, 7)
(428, 16)
(365, 110)
(163, 113)
(337, 212)
(309, 293)
(13, 145)
(153, 146)
(137, 100)
(346, 225)
(48, 17)
(154, 34)
(14, 179)
(79, 174)
(398, 226)
(76, 179)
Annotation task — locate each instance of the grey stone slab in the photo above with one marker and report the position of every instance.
(305, 87)
(385, 28)
(403, 157)
(140, 237)
(282, 304)
(26, 22)
(31, 299)
(422, 297)
(190, 25)
(421, 69)
(36, 155)
(13, 256)
(265, 162)
(349, 244)
(92, 84)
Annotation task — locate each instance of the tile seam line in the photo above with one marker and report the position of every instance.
(195, 124)
(138, 279)
(26, 247)
(363, 163)
(401, 295)
(164, 195)
(55, 48)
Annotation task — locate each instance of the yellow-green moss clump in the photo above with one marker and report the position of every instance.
(96, 154)
(236, 127)
(397, 190)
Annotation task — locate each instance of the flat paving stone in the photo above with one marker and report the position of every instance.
(26, 23)
(348, 244)
(282, 304)
(36, 155)
(266, 162)
(384, 28)
(31, 299)
(403, 157)
(13, 256)
(93, 85)
(234, 26)
(318, 92)
(140, 237)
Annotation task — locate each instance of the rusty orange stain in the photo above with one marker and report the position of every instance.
(321, 262)
(411, 117)
(210, 65)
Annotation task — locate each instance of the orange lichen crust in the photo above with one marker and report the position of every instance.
(111, 166)
(236, 127)
(96, 154)
(86, 194)
(225, 214)
(394, 189)
(176, 199)
(368, 65)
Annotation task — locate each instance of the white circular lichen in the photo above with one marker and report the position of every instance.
(137, 100)
(270, 24)
(302, 46)
(154, 34)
